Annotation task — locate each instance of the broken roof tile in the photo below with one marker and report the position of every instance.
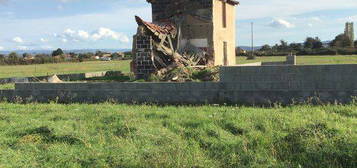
(163, 29)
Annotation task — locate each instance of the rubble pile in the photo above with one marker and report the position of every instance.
(158, 49)
(184, 33)
(188, 74)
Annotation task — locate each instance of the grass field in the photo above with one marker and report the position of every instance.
(66, 68)
(62, 68)
(106, 135)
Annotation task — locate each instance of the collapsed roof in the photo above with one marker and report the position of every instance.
(157, 29)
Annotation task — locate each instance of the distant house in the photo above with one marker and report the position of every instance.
(240, 51)
(106, 57)
(118, 56)
(29, 58)
(67, 57)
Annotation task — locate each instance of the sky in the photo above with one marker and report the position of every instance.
(110, 24)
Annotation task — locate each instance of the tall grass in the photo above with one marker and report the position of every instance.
(106, 135)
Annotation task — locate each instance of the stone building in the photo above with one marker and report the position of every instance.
(349, 32)
(204, 28)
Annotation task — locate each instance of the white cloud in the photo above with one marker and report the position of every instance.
(69, 32)
(105, 33)
(64, 40)
(100, 34)
(252, 9)
(280, 23)
(18, 40)
(44, 40)
(84, 21)
(83, 34)
(2, 48)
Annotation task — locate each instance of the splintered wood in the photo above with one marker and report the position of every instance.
(156, 49)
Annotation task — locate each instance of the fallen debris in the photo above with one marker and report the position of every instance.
(188, 74)
(156, 49)
(54, 79)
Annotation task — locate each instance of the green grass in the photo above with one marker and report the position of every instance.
(66, 68)
(9, 86)
(106, 135)
(62, 68)
(305, 60)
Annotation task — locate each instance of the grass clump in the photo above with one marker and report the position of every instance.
(9, 86)
(107, 135)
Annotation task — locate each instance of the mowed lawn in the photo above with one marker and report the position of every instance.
(62, 68)
(107, 135)
(305, 60)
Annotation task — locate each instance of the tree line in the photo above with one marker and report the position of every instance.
(57, 56)
(341, 45)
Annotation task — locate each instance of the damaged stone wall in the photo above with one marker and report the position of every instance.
(143, 56)
(182, 34)
(193, 18)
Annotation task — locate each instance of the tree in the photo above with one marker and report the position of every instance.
(341, 41)
(83, 56)
(13, 55)
(265, 47)
(2, 59)
(283, 46)
(25, 55)
(99, 53)
(115, 55)
(295, 46)
(57, 52)
(239, 51)
(309, 43)
(73, 55)
(13, 58)
(313, 43)
(317, 43)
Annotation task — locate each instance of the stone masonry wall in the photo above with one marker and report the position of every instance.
(143, 56)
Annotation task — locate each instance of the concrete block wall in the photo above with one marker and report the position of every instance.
(291, 60)
(238, 85)
(64, 77)
(7, 95)
(291, 78)
(162, 93)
